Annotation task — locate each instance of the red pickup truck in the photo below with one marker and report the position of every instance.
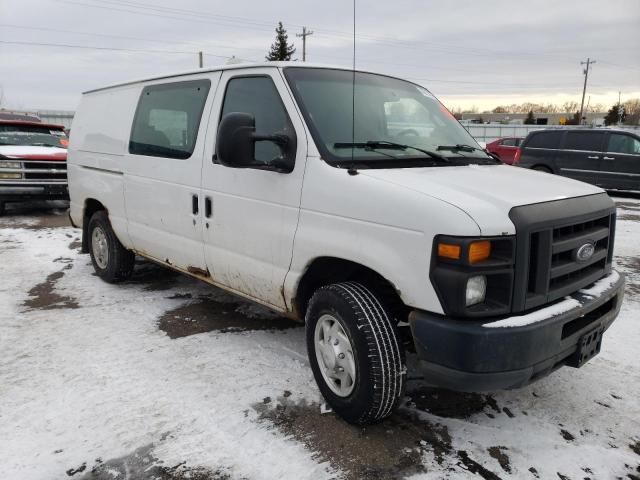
(33, 161)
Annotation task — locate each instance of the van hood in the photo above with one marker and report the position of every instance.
(485, 192)
(33, 152)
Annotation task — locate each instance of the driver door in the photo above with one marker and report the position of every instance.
(251, 214)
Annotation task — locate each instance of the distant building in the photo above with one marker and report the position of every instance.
(592, 118)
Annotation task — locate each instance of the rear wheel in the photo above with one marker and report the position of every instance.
(355, 353)
(542, 168)
(111, 261)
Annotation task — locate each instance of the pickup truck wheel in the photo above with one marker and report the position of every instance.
(111, 261)
(354, 352)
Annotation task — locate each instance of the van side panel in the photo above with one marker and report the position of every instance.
(98, 142)
(392, 236)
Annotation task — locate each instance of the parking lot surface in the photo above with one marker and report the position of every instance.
(163, 377)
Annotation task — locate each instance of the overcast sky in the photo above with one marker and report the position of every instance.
(468, 52)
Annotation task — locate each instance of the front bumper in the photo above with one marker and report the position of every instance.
(504, 353)
(45, 191)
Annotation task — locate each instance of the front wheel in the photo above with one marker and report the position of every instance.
(354, 352)
(111, 261)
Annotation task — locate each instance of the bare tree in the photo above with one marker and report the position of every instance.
(632, 111)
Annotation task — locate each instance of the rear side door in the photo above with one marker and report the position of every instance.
(541, 149)
(620, 166)
(162, 170)
(251, 214)
(581, 154)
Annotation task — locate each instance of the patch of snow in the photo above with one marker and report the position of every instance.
(102, 380)
(539, 315)
(602, 285)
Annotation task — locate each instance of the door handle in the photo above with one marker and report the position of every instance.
(194, 204)
(208, 207)
(608, 158)
(593, 157)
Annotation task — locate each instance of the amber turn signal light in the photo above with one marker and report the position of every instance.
(479, 251)
(448, 250)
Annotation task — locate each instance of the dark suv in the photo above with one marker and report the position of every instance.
(607, 158)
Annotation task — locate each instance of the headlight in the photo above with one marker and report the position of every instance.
(473, 276)
(10, 165)
(476, 290)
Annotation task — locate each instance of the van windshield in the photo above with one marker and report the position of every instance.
(389, 114)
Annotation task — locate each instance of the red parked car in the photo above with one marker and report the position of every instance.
(33, 161)
(505, 148)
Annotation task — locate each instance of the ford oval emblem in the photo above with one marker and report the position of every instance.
(585, 252)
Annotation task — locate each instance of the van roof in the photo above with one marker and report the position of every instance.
(234, 66)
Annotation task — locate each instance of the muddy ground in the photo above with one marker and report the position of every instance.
(395, 448)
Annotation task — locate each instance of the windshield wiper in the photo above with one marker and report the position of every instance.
(459, 146)
(382, 144)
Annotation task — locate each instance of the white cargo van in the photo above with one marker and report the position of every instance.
(356, 203)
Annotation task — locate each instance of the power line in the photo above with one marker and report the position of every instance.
(180, 52)
(197, 16)
(126, 37)
(117, 49)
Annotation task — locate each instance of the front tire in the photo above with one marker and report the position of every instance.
(354, 352)
(111, 261)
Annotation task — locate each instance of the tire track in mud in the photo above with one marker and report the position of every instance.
(393, 449)
(43, 296)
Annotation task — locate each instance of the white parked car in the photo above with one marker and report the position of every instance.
(251, 178)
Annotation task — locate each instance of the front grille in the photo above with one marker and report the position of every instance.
(553, 269)
(41, 170)
(546, 265)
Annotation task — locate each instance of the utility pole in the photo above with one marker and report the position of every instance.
(620, 109)
(200, 61)
(584, 89)
(305, 33)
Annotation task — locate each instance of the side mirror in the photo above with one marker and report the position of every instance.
(235, 144)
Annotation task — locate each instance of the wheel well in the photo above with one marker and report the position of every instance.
(327, 270)
(91, 206)
(541, 167)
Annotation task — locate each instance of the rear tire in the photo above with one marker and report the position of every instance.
(111, 261)
(367, 338)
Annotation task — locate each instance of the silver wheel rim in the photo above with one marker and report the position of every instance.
(334, 354)
(99, 247)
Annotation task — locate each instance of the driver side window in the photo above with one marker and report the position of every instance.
(619, 143)
(259, 97)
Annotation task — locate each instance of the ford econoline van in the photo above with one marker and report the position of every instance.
(356, 203)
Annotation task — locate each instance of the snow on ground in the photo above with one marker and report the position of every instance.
(92, 373)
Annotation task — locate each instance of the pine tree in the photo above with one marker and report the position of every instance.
(611, 118)
(280, 49)
(530, 120)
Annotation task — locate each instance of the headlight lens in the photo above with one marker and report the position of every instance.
(476, 290)
(10, 165)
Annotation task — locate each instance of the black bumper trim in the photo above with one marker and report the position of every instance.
(467, 355)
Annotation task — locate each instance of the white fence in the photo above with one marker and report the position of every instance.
(492, 131)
